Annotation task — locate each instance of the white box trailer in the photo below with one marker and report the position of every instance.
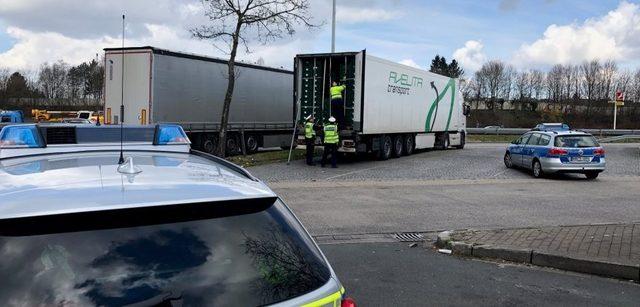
(162, 86)
(388, 108)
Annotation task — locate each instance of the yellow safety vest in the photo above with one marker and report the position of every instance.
(331, 134)
(309, 133)
(336, 91)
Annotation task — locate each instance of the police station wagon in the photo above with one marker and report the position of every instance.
(169, 226)
(556, 151)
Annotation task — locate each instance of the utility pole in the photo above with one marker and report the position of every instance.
(333, 28)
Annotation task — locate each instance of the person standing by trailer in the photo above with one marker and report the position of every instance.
(310, 138)
(337, 101)
(331, 139)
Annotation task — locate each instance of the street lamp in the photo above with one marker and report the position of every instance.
(333, 28)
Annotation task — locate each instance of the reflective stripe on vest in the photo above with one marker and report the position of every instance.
(308, 131)
(336, 91)
(331, 134)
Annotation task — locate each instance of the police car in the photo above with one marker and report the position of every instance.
(168, 226)
(554, 148)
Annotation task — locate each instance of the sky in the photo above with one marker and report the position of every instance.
(525, 33)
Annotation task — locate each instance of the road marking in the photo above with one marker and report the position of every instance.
(437, 182)
(352, 172)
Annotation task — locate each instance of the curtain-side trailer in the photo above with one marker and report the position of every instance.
(387, 108)
(162, 86)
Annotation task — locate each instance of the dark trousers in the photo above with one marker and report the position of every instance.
(333, 150)
(337, 110)
(310, 147)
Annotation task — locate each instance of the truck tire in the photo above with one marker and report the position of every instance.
(251, 143)
(462, 141)
(444, 141)
(232, 145)
(409, 144)
(209, 145)
(398, 146)
(386, 147)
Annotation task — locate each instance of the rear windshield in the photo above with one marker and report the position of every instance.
(243, 260)
(576, 141)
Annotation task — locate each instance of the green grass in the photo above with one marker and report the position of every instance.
(490, 138)
(267, 157)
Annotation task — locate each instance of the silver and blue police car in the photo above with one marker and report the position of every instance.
(163, 226)
(554, 148)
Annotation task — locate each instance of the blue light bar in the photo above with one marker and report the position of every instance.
(21, 136)
(170, 134)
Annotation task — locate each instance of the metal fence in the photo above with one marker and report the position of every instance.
(517, 131)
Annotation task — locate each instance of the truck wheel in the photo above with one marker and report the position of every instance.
(386, 147)
(444, 144)
(398, 144)
(462, 141)
(232, 145)
(251, 144)
(209, 146)
(408, 145)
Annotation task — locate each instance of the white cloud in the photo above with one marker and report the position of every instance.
(470, 56)
(35, 48)
(615, 35)
(410, 62)
(351, 15)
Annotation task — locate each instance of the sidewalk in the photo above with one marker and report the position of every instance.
(603, 249)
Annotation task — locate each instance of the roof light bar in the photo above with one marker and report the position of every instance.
(167, 134)
(21, 136)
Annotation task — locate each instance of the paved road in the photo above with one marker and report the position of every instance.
(391, 274)
(453, 189)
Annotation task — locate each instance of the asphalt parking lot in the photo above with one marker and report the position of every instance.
(453, 189)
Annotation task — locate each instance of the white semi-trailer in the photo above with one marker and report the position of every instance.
(388, 108)
(162, 86)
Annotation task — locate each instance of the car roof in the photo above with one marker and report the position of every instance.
(81, 182)
(559, 132)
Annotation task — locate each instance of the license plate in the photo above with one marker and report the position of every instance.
(581, 159)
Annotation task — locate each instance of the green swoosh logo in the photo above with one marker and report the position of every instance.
(451, 86)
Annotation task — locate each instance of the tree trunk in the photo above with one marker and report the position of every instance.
(222, 138)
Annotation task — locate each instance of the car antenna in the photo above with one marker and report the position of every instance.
(121, 160)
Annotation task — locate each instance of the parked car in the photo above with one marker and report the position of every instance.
(557, 151)
(77, 121)
(167, 227)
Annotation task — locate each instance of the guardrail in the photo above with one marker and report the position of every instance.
(517, 131)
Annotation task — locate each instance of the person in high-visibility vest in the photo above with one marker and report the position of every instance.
(310, 138)
(337, 101)
(331, 140)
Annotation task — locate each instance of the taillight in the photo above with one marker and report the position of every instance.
(557, 152)
(348, 302)
(599, 151)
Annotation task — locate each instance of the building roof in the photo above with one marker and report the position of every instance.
(83, 182)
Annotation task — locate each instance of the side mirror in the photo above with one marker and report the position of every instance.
(515, 142)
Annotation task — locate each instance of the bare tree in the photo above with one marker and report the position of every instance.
(635, 87)
(235, 22)
(537, 83)
(52, 79)
(523, 85)
(623, 82)
(590, 72)
(554, 83)
(609, 69)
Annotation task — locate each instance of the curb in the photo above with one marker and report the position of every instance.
(541, 258)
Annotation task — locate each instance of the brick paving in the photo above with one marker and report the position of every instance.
(612, 242)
